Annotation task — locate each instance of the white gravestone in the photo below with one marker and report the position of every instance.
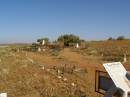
(43, 42)
(77, 45)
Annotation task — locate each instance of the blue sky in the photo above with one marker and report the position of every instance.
(27, 20)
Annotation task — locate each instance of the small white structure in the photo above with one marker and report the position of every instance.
(3, 94)
(117, 72)
(73, 84)
(43, 68)
(43, 42)
(39, 49)
(77, 45)
(58, 71)
(125, 59)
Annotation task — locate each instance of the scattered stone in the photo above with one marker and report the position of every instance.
(48, 70)
(43, 68)
(78, 70)
(59, 72)
(64, 79)
(125, 59)
(73, 84)
(59, 77)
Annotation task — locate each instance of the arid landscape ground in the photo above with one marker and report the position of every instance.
(68, 72)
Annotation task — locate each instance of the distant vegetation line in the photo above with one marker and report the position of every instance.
(71, 38)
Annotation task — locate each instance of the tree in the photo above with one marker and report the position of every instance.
(68, 38)
(34, 44)
(110, 38)
(121, 38)
(41, 40)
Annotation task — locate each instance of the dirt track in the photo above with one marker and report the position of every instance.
(66, 56)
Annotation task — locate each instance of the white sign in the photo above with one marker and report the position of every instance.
(117, 72)
(3, 95)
